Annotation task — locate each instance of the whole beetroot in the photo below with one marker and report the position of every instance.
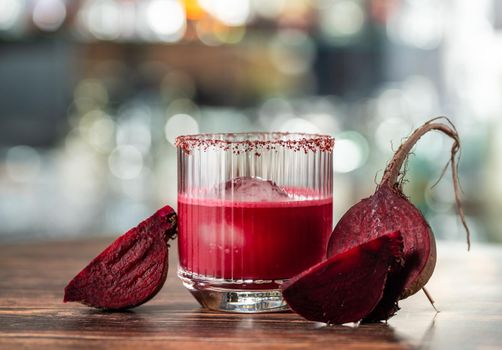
(131, 270)
(388, 209)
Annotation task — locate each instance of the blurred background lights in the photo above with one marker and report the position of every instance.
(80, 168)
(206, 30)
(230, 35)
(390, 132)
(322, 112)
(418, 24)
(166, 18)
(180, 124)
(10, 12)
(421, 97)
(449, 226)
(229, 12)
(292, 51)
(273, 107)
(109, 81)
(299, 125)
(22, 163)
(125, 214)
(90, 94)
(125, 162)
(138, 189)
(177, 84)
(224, 120)
(341, 18)
(136, 133)
(100, 133)
(351, 151)
(102, 18)
(274, 112)
(88, 119)
(128, 20)
(211, 32)
(391, 103)
(183, 106)
(323, 121)
(268, 8)
(441, 197)
(49, 15)
(431, 147)
(194, 11)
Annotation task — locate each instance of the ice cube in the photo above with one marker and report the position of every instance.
(253, 189)
(220, 235)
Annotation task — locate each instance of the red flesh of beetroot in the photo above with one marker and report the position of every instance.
(131, 270)
(348, 286)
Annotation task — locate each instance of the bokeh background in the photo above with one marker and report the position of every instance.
(94, 92)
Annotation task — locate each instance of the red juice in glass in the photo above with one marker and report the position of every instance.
(261, 240)
(254, 210)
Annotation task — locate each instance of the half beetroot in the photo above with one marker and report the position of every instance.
(131, 270)
(348, 286)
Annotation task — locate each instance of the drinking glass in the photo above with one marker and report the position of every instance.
(255, 209)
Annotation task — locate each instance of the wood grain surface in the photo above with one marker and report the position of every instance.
(466, 286)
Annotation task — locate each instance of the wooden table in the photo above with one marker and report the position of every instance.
(466, 286)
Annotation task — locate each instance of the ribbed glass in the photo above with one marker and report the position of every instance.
(254, 208)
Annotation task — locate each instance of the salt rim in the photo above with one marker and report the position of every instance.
(255, 141)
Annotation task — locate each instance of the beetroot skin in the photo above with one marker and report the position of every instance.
(131, 270)
(348, 286)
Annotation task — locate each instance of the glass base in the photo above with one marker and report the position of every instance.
(235, 296)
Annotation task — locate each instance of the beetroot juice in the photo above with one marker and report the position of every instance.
(265, 240)
(254, 209)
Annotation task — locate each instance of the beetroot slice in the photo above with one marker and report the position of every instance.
(131, 270)
(348, 286)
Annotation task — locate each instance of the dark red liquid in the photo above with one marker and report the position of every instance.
(252, 240)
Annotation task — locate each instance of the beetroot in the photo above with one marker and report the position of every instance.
(387, 210)
(131, 270)
(348, 286)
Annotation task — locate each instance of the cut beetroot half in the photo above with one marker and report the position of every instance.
(346, 287)
(131, 270)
